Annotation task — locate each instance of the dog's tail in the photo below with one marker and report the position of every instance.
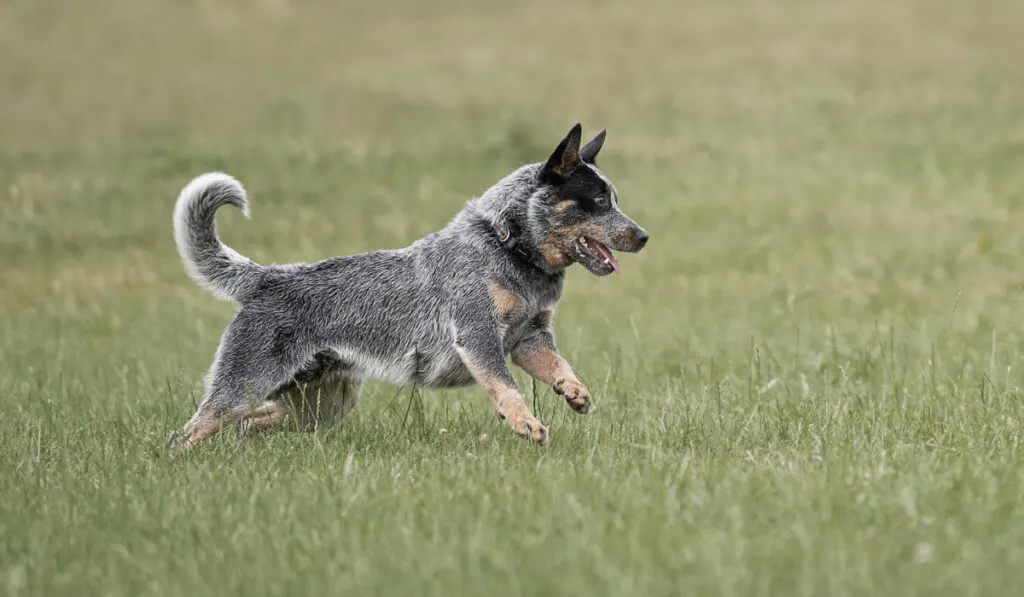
(214, 265)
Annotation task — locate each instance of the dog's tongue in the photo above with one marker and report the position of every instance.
(607, 254)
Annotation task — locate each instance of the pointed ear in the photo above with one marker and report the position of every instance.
(590, 150)
(565, 157)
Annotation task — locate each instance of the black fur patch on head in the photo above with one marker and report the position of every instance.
(587, 189)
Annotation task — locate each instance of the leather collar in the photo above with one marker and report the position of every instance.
(508, 234)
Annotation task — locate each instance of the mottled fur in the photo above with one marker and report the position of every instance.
(443, 312)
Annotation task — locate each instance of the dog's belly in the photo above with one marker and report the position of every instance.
(324, 367)
(446, 370)
(438, 368)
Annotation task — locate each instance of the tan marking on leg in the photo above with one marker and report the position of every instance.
(268, 408)
(544, 364)
(549, 367)
(575, 394)
(205, 423)
(509, 403)
(508, 304)
(260, 425)
(268, 416)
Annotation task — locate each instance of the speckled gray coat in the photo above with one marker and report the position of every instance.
(442, 312)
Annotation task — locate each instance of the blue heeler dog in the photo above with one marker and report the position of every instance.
(441, 313)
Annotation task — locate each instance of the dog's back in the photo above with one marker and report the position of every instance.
(384, 313)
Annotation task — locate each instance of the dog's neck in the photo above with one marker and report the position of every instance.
(509, 234)
(504, 210)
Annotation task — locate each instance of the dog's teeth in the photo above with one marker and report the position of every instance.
(583, 241)
(606, 262)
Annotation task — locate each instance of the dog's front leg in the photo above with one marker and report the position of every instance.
(480, 349)
(537, 355)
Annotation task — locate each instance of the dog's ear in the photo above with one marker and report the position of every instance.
(564, 159)
(589, 152)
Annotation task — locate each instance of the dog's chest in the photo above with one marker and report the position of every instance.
(513, 308)
(515, 311)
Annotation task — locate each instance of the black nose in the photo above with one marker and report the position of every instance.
(641, 238)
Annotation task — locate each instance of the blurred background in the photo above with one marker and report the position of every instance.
(833, 189)
(799, 164)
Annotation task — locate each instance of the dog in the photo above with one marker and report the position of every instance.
(443, 312)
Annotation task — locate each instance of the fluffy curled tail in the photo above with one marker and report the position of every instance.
(211, 263)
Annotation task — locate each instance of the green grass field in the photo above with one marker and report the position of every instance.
(809, 383)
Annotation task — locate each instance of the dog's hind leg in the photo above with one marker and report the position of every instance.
(223, 405)
(311, 406)
(265, 418)
(321, 403)
(247, 370)
(335, 398)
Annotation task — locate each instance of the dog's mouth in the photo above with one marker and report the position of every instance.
(597, 258)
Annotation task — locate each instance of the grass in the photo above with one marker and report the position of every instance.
(807, 384)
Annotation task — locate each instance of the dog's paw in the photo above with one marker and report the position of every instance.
(534, 430)
(526, 425)
(575, 394)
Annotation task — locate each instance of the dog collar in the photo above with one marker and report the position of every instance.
(504, 234)
(507, 234)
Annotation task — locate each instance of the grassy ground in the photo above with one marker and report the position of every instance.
(808, 384)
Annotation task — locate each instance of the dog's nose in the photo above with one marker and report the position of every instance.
(641, 238)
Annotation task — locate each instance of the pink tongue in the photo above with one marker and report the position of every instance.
(606, 254)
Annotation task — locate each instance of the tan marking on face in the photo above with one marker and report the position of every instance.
(594, 231)
(563, 206)
(508, 304)
(555, 255)
(558, 249)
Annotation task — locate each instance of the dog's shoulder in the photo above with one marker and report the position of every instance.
(469, 259)
(519, 290)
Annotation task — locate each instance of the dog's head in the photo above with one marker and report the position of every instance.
(576, 215)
